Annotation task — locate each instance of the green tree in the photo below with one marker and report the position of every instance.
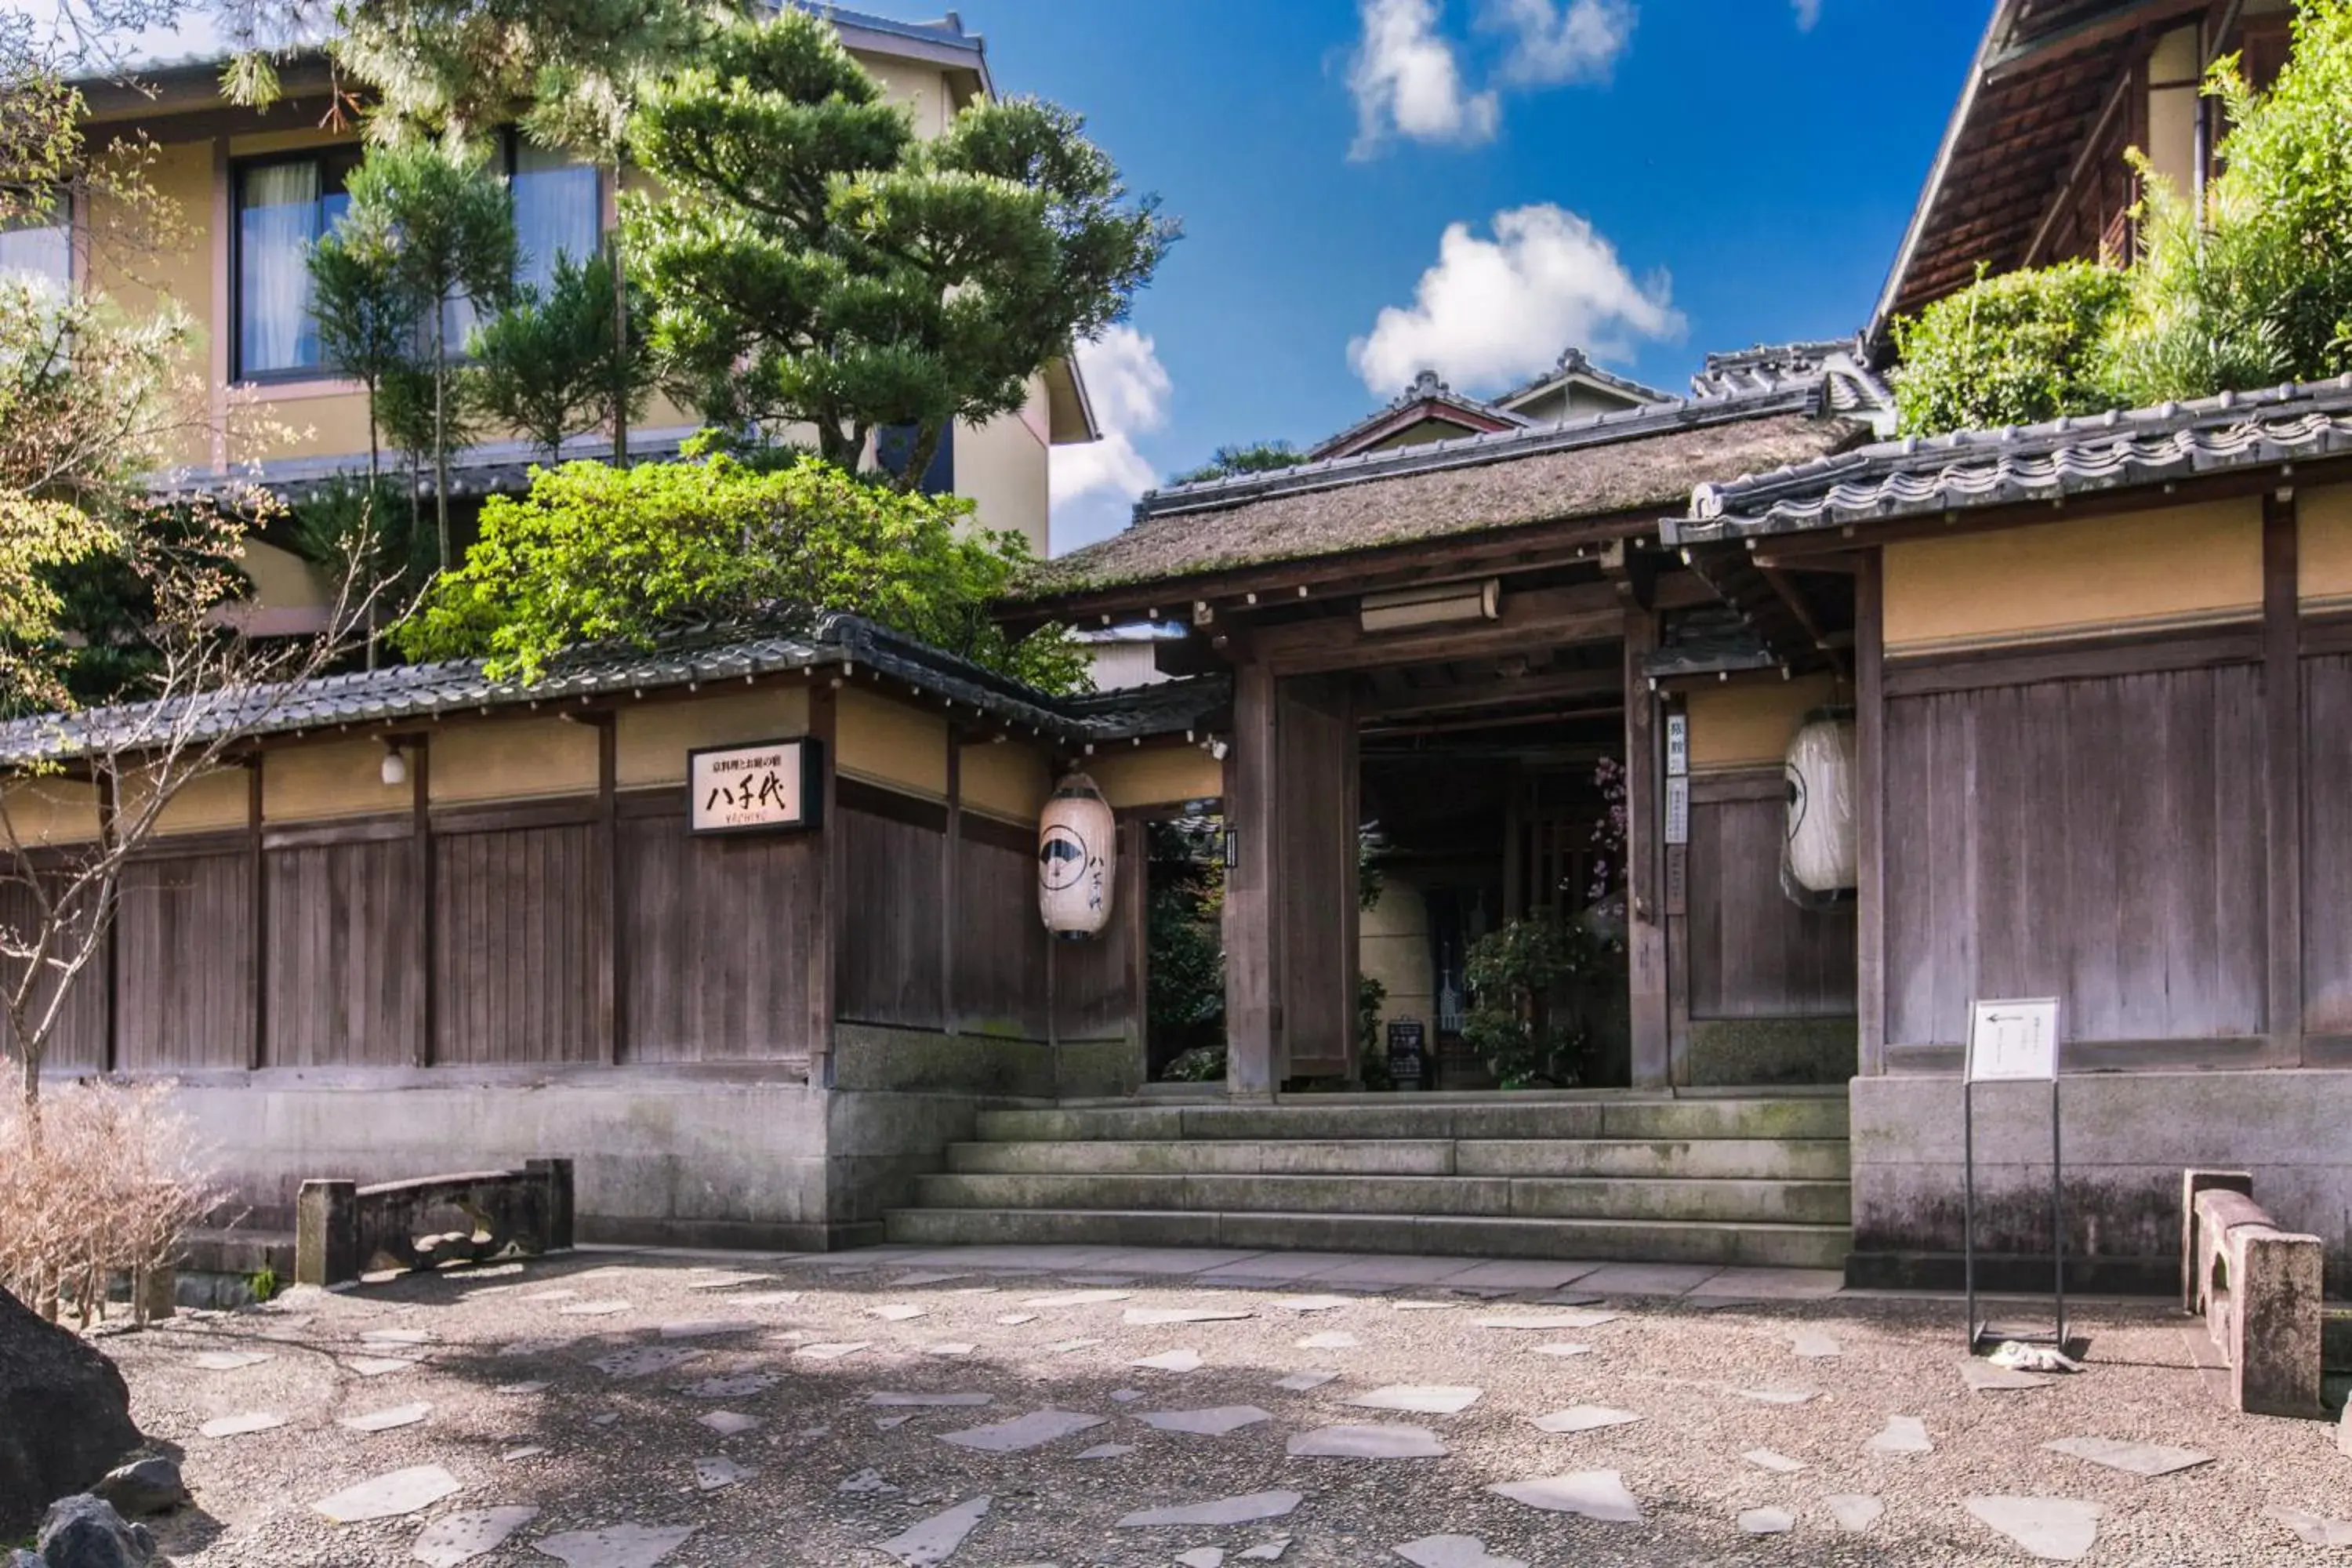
(1229, 462)
(2017, 349)
(810, 261)
(552, 364)
(597, 555)
(368, 319)
(448, 235)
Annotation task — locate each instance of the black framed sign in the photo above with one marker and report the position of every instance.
(763, 786)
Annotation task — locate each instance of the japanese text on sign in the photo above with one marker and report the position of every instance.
(748, 786)
(2014, 1040)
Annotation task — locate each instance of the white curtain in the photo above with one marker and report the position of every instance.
(39, 245)
(558, 211)
(277, 223)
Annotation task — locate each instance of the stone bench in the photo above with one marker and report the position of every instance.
(342, 1229)
(2258, 1288)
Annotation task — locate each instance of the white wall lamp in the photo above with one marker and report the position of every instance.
(394, 770)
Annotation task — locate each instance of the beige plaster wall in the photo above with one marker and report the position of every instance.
(1393, 947)
(2324, 547)
(513, 759)
(888, 742)
(2173, 71)
(1006, 780)
(654, 737)
(1157, 775)
(2179, 566)
(206, 804)
(334, 779)
(1747, 724)
(51, 810)
(1002, 466)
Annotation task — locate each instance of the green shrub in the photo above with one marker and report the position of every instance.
(2012, 350)
(1534, 985)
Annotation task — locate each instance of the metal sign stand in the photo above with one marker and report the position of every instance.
(2011, 1042)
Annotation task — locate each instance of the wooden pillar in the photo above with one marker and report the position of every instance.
(828, 883)
(949, 881)
(2283, 769)
(420, 785)
(111, 949)
(1253, 1011)
(611, 972)
(259, 901)
(1869, 812)
(1645, 931)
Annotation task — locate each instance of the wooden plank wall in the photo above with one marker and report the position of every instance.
(1754, 952)
(891, 965)
(1095, 982)
(1001, 946)
(1316, 781)
(518, 939)
(183, 928)
(2328, 858)
(2100, 839)
(78, 1039)
(343, 987)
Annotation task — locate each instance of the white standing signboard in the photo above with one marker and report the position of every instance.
(2014, 1041)
(751, 789)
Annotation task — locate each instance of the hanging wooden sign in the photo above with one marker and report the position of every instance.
(758, 788)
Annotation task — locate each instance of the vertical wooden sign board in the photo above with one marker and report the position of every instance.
(2013, 1042)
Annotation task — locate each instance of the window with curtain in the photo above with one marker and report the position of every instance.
(37, 242)
(283, 207)
(559, 210)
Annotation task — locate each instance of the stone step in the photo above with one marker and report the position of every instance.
(1602, 1240)
(1408, 1117)
(1751, 1159)
(1672, 1200)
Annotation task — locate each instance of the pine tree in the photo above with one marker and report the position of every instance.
(552, 363)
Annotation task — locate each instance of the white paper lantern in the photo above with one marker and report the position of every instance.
(1821, 837)
(1077, 858)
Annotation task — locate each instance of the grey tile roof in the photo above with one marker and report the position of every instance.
(1977, 469)
(1837, 363)
(1575, 361)
(1427, 387)
(722, 653)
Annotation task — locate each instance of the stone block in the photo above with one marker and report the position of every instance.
(2193, 1182)
(1745, 1052)
(327, 1233)
(2274, 1351)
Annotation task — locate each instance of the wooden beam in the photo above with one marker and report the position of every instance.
(1251, 961)
(1645, 934)
(951, 893)
(1870, 815)
(2065, 198)
(420, 823)
(2085, 36)
(1590, 612)
(259, 913)
(1501, 691)
(830, 885)
(2283, 762)
(1786, 591)
(612, 971)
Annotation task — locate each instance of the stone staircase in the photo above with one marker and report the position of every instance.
(1755, 1179)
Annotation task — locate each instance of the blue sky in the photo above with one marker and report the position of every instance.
(1668, 177)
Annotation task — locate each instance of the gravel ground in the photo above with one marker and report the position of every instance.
(620, 1448)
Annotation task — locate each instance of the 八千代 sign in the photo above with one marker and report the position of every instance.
(748, 789)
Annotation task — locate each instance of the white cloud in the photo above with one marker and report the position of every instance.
(1496, 310)
(1555, 41)
(1808, 13)
(1094, 485)
(1408, 82)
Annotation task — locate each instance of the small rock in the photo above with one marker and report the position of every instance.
(1126, 1396)
(1546, 1322)
(728, 1423)
(1768, 1522)
(1312, 1303)
(594, 1308)
(1983, 1377)
(138, 1490)
(950, 1347)
(832, 1352)
(84, 1531)
(890, 1423)
(1014, 1320)
(899, 1313)
(516, 1456)
(398, 1336)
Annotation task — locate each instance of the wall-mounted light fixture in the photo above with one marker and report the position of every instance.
(395, 765)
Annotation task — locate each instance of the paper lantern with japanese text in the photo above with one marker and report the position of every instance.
(1077, 857)
(1821, 769)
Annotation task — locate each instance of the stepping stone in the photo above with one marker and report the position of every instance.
(931, 1401)
(1335, 1340)
(730, 1423)
(1366, 1443)
(607, 1419)
(1167, 1360)
(1583, 1418)
(521, 1388)
(868, 1483)
(1779, 1464)
(950, 1347)
(2052, 1529)
(1311, 1304)
(538, 1347)
(1270, 1552)
(390, 1496)
(1225, 1510)
(1202, 1557)
(1126, 1396)
(1546, 1322)
(1768, 1522)
(1815, 1345)
(1562, 1348)
(703, 1327)
(1454, 1551)
(384, 1420)
(456, 1538)
(227, 1361)
(735, 1387)
(1780, 1395)
(713, 1474)
(724, 1281)
(1571, 1299)
(1107, 1451)
(1853, 1512)
(238, 1426)
(1162, 1316)
(1420, 1306)
(376, 1367)
(811, 1434)
(1302, 1382)
(1014, 1320)
(926, 1277)
(1069, 1347)
(615, 1546)
(1213, 1423)
(557, 1295)
(890, 1423)
(766, 1299)
(643, 1360)
(1033, 1430)
(1420, 1399)
(899, 1313)
(596, 1308)
(832, 1352)
(935, 1538)
(1983, 1377)
(2311, 1530)
(1903, 1434)
(398, 1337)
(1079, 1299)
(2137, 1459)
(513, 1456)
(1594, 1494)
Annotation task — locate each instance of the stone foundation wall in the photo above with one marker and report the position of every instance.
(2127, 1138)
(1746, 1053)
